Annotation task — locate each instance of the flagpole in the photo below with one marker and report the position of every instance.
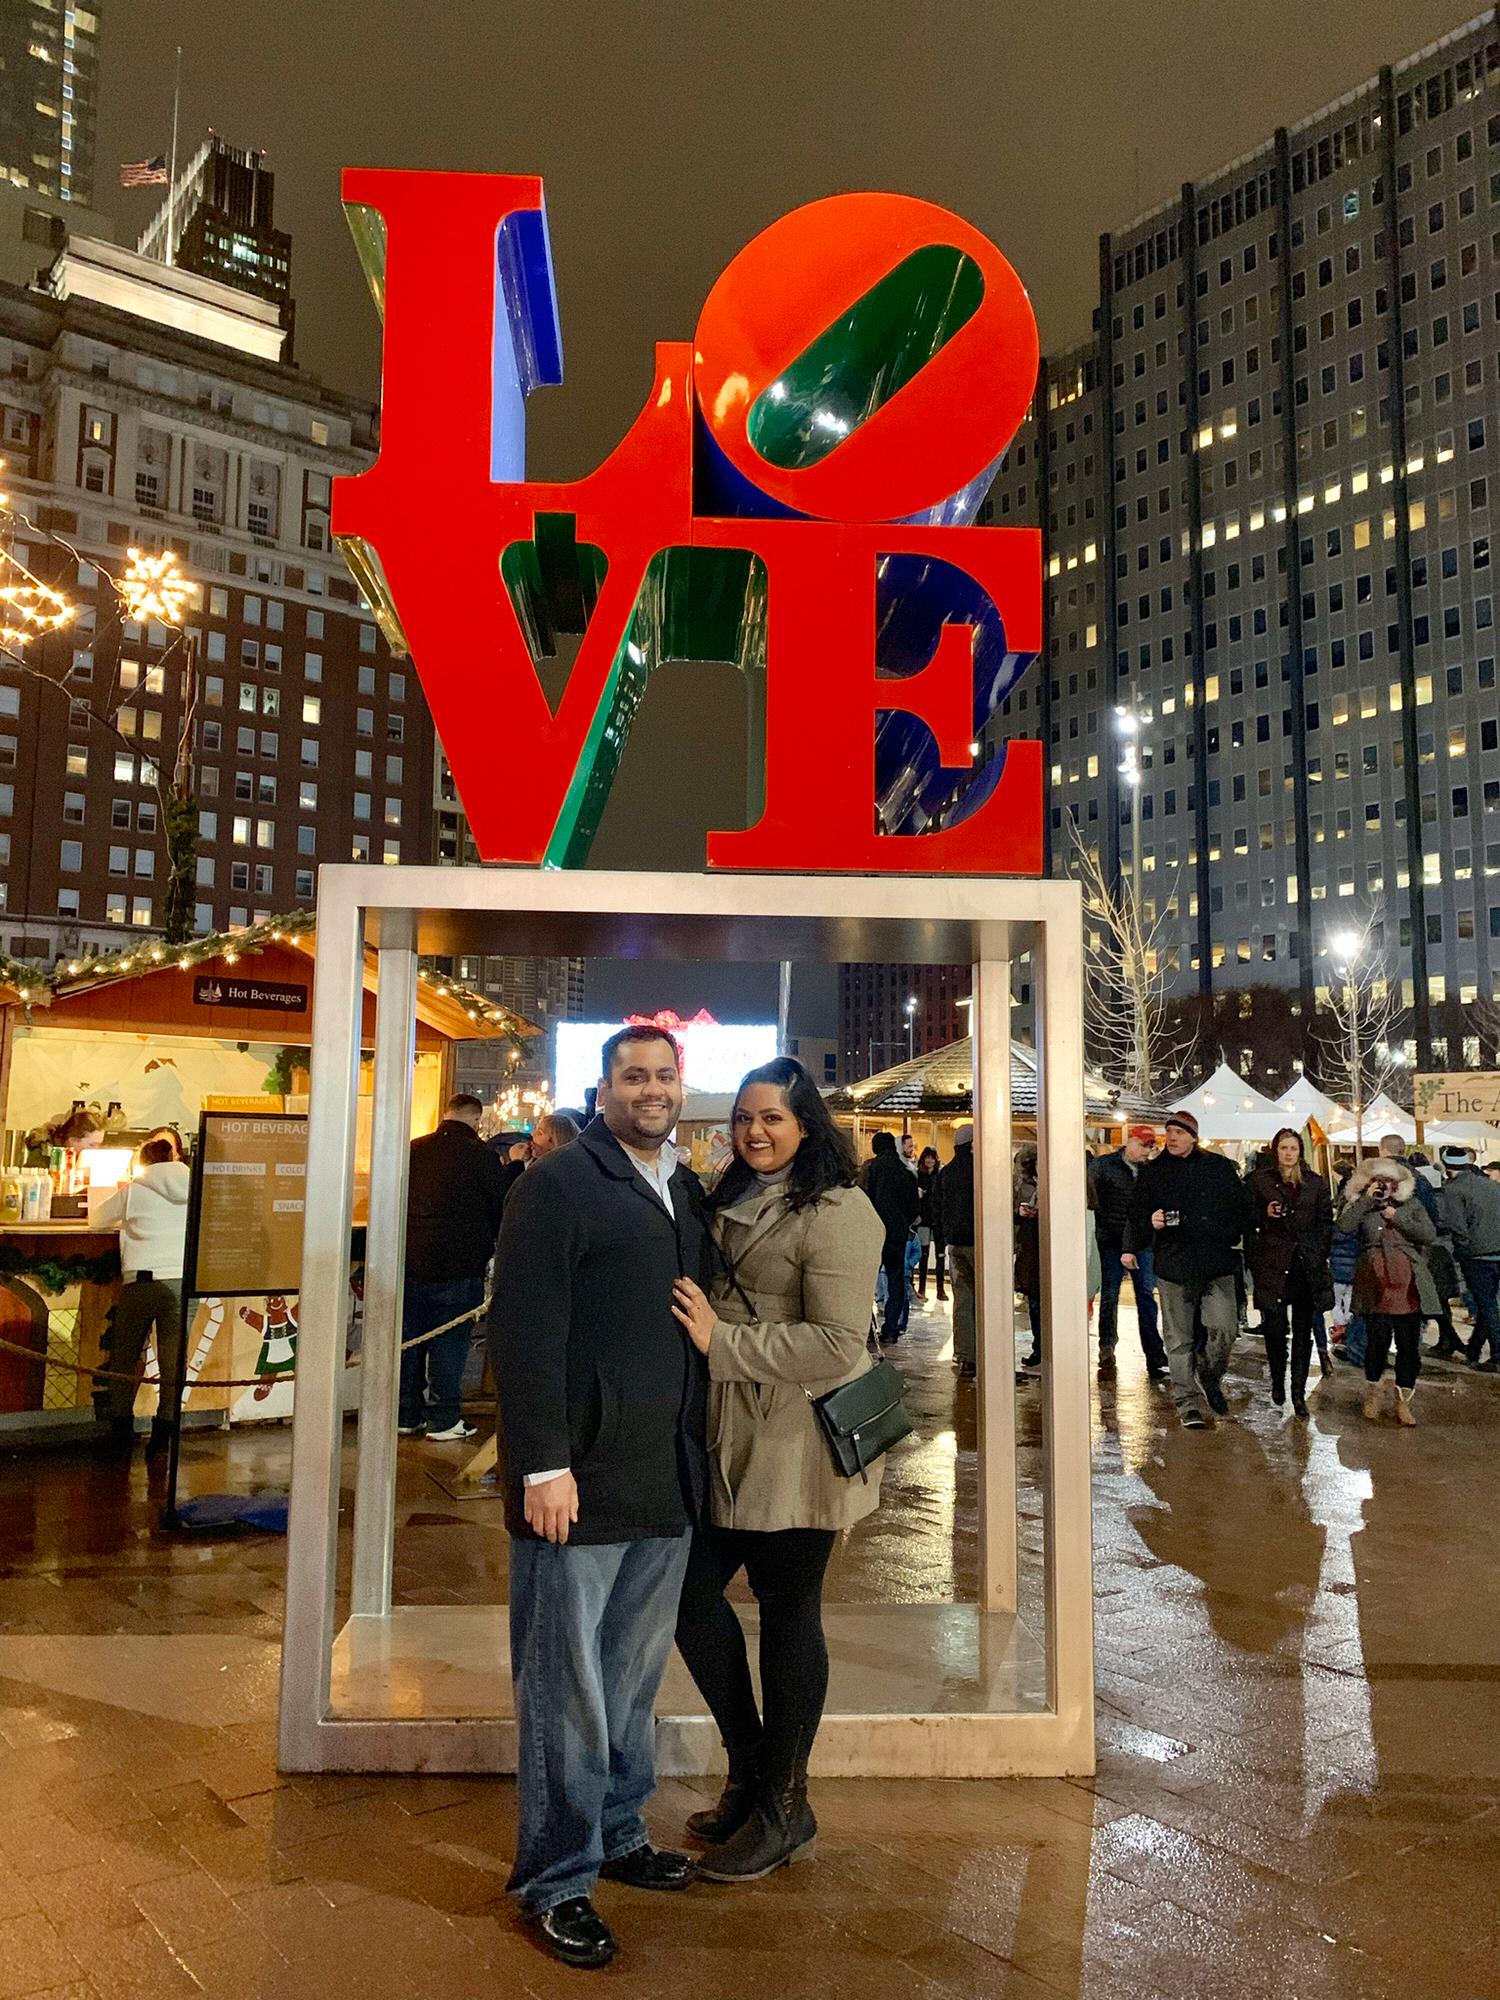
(172, 167)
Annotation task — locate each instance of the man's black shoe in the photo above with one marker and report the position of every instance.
(575, 1932)
(650, 1868)
(1196, 1420)
(1159, 1374)
(1214, 1395)
(1490, 1367)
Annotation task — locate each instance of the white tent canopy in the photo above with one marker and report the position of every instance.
(1485, 1139)
(1382, 1115)
(1226, 1107)
(1304, 1100)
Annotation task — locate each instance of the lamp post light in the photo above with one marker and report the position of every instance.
(1128, 725)
(154, 587)
(910, 1011)
(1345, 947)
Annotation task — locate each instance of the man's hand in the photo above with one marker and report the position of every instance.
(1158, 1218)
(552, 1507)
(1129, 1262)
(691, 1307)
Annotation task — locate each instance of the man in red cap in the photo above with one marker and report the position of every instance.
(1192, 1209)
(1114, 1177)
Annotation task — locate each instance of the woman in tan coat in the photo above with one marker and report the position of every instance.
(797, 1249)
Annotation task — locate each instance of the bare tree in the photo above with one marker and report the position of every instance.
(1126, 1010)
(1360, 1031)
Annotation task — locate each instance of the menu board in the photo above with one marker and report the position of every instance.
(245, 1212)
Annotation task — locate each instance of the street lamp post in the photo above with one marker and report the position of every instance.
(154, 587)
(910, 1010)
(1345, 946)
(1128, 723)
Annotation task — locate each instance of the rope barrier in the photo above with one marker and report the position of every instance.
(35, 1354)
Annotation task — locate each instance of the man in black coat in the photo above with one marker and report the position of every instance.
(454, 1196)
(1114, 1176)
(892, 1189)
(1192, 1209)
(603, 1404)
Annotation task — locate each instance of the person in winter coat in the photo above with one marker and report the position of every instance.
(785, 1320)
(957, 1185)
(1113, 1177)
(930, 1219)
(892, 1188)
(150, 1213)
(1287, 1253)
(455, 1198)
(1192, 1208)
(1469, 1209)
(1028, 1244)
(1393, 1287)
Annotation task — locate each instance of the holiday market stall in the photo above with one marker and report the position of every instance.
(932, 1095)
(104, 1051)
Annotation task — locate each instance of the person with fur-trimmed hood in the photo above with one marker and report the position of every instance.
(1393, 1285)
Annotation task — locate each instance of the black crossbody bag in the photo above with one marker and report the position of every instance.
(861, 1419)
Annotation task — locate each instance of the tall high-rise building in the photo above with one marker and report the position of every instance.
(1265, 487)
(49, 96)
(221, 218)
(890, 1012)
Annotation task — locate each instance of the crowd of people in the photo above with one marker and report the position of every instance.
(661, 1352)
(1391, 1252)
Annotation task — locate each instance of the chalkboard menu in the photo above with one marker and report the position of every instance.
(245, 1212)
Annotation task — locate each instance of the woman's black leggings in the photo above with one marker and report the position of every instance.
(785, 1570)
(1406, 1330)
(1303, 1315)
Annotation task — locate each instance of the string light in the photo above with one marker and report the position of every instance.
(154, 587)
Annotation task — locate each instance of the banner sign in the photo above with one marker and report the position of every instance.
(795, 498)
(1441, 1100)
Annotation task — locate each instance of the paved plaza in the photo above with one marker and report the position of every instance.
(1298, 1791)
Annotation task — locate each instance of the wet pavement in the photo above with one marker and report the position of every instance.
(1298, 1794)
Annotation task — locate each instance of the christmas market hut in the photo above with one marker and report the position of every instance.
(101, 1052)
(932, 1095)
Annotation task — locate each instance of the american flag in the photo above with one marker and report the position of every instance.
(144, 173)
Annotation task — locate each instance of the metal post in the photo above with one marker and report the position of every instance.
(317, 1425)
(1068, 1528)
(784, 1007)
(994, 1285)
(385, 1259)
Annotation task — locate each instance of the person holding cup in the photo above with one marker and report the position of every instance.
(1190, 1210)
(1288, 1254)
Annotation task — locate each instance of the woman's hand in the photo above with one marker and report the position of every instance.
(690, 1305)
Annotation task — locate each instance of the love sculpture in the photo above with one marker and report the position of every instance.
(796, 497)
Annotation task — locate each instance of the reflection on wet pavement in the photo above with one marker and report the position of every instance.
(1299, 1723)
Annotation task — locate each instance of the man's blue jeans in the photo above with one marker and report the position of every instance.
(590, 1630)
(432, 1376)
(1143, 1279)
(1482, 1276)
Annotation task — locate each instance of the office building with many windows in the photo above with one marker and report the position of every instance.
(310, 742)
(1266, 488)
(49, 97)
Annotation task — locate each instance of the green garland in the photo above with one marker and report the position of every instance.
(57, 1273)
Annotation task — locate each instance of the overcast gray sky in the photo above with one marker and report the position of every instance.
(669, 131)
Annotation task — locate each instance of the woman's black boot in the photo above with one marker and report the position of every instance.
(780, 1829)
(736, 1801)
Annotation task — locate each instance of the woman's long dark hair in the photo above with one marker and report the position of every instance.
(824, 1159)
